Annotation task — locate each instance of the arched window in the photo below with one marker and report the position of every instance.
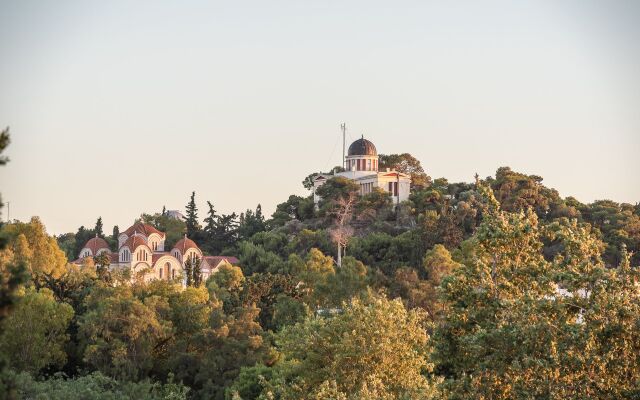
(167, 268)
(160, 272)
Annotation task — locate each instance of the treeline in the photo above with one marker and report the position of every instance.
(498, 289)
(218, 236)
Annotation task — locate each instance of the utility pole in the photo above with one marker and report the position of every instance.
(343, 126)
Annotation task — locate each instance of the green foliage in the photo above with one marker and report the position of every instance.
(120, 333)
(519, 326)
(333, 190)
(96, 387)
(502, 290)
(256, 259)
(34, 334)
(407, 164)
(173, 228)
(29, 243)
(373, 348)
(191, 219)
(295, 208)
(250, 223)
(220, 231)
(98, 228)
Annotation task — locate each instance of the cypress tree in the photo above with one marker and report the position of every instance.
(192, 217)
(98, 229)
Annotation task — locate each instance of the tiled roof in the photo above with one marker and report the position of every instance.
(96, 244)
(134, 242)
(185, 244)
(156, 256)
(145, 229)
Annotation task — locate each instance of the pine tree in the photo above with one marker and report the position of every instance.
(116, 232)
(192, 217)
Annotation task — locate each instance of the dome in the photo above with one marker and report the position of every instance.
(96, 243)
(185, 244)
(362, 147)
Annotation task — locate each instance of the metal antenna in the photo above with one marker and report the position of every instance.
(343, 126)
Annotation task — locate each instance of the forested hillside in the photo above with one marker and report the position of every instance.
(497, 288)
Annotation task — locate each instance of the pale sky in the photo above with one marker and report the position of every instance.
(120, 107)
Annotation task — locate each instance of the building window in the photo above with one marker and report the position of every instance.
(369, 165)
(390, 187)
(173, 274)
(395, 189)
(160, 272)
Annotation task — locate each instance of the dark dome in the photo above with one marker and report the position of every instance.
(362, 147)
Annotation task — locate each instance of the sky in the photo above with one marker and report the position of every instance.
(117, 108)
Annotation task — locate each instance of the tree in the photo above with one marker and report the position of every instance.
(96, 386)
(30, 243)
(191, 219)
(342, 230)
(407, 164)
(102, 262)
(295, 208)
(188, 271)
(34, 335)
(197, 272)
(308, 181)
(515, 192)
(251, 223)
(67, 243)
(226, 285)
(519, 326)
(98, 228)
(120, 333)
(374, 349)
(114, 236)
(220, 231)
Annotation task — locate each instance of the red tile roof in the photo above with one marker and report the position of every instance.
(185, 244)
(156, 256)
(96, 244)
(145, 229)
(134, 242)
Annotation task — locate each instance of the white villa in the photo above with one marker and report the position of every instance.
(361, 164)
(141, 248)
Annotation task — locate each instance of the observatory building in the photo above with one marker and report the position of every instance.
(361, 164)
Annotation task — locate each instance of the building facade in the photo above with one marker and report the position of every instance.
(141, 249)
(361, 164)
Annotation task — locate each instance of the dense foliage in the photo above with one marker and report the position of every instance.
(496, 289)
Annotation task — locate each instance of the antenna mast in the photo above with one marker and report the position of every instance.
(343, 126)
